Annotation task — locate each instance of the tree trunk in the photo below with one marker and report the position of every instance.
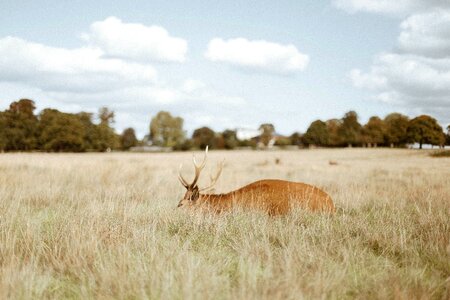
(420, 145)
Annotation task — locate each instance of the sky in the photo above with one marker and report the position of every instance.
(228, 64)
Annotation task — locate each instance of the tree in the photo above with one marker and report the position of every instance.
(60, 132)
(230, 139)
(165, 130)
(128, 139)
(247, 143)
(267, 131)
(20, 126)
(106, 138)
(106, 116)
(184, 146)
(90, 130)
(396, 126)
(447, 136)
(296, 139)
(333, 125)
(317, 134)
(282, 141)
(203, 137)
(373, 131)
(425, 130)
(219, 142)
(350, 131)
(2, 131)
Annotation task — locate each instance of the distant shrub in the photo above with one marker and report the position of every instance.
(282, 142)
(186, 145)
(441, 153)
(247, 143)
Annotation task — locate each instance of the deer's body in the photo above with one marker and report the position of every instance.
(270, 195)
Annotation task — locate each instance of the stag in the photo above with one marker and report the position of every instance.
(276, 197)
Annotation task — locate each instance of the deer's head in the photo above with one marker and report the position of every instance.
(193, 191)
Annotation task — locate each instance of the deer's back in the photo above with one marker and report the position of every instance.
(278, 196)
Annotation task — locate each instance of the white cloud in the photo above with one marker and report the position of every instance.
(191, 85)
(384, 6)
(371, 81)
(136, 41)
(90, 76)
(198, 92)
(393, 7)
(409, 75)
(81, 70)
(417, 75)
(257, 55)
(426, 34)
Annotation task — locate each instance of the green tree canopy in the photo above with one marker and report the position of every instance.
(447, 136)
(317, 134)
(20, 126)
(333, 125)
(60, 132)
(425, 130)
(296, 139)
(350, 130)
(90, 130)
(374, 131)
(104, 136)
(203, 137)
(166, 130)
(396, 126)
(128, 139)
(230, 139)
(2, 131)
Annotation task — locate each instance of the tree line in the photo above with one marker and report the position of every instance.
(55, 131)
(395, 130)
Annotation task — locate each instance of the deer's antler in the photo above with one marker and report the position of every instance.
(198, 170)
(214, 178)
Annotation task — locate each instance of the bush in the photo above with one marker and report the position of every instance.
(184, 146)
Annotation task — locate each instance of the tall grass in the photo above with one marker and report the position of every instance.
(105, 226)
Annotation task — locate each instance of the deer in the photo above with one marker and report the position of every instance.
(273, 196)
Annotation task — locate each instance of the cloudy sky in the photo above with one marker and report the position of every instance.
(228, 64)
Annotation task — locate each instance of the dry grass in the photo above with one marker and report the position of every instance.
(105, 226)
(440, 153)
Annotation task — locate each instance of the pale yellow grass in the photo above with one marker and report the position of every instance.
(101, 226)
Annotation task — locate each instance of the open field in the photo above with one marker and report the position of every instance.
(105, 226)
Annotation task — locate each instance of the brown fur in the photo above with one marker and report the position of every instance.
(276, 197)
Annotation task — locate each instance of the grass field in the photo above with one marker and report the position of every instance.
(103, 226)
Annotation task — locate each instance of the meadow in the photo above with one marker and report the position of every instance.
(102, 226)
